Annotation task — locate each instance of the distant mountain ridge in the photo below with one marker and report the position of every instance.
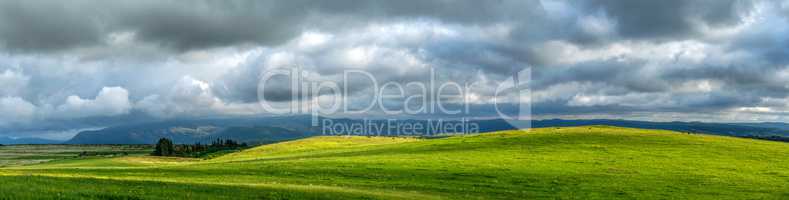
(27, 140)
(272, 129)
(775, 125)
(249, 130)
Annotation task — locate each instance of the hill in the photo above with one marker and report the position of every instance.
(188, 134)
(249, 130)
(728, 129)
(590, 162)
(27, 140)
(269, 129)
(254, 129)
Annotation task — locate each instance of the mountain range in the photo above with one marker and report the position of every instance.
(258, 130)
(27, 140)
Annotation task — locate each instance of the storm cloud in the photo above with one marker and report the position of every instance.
(87, 62)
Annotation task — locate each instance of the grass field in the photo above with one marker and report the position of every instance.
(549, 163)
(31, 154)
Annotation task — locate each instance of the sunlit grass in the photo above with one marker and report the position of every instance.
(581, 162)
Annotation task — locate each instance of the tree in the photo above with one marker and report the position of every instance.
(164, 148)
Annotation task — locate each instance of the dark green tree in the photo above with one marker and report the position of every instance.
(164, 147)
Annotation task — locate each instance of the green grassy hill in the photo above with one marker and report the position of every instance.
(566, 163)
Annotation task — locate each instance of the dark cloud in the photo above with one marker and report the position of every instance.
(40, 25)
(210, 23)
(645, 19)
(629, 75)
(743, 80)
(204, 58)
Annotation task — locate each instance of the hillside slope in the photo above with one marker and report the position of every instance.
(596, 162)
(269, 129)
(186, 135)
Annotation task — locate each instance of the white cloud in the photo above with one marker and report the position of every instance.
(191, 97)
(188, 96)
(597, 25)
(566, 53)
(15, 110)
(634, 100)
(698, 86)
(110, 101)
(309, 41)
(12, 83)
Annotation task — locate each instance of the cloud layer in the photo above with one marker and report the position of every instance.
(77, 61)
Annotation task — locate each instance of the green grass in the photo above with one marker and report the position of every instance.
(551, 163)
(13, 155)
(19, 187)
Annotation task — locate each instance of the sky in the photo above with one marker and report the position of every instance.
(76, 65)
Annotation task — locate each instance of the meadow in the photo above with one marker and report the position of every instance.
(592, 162)
(12, 155)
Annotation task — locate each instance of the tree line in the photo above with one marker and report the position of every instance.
(166, 147)
(769, 137)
